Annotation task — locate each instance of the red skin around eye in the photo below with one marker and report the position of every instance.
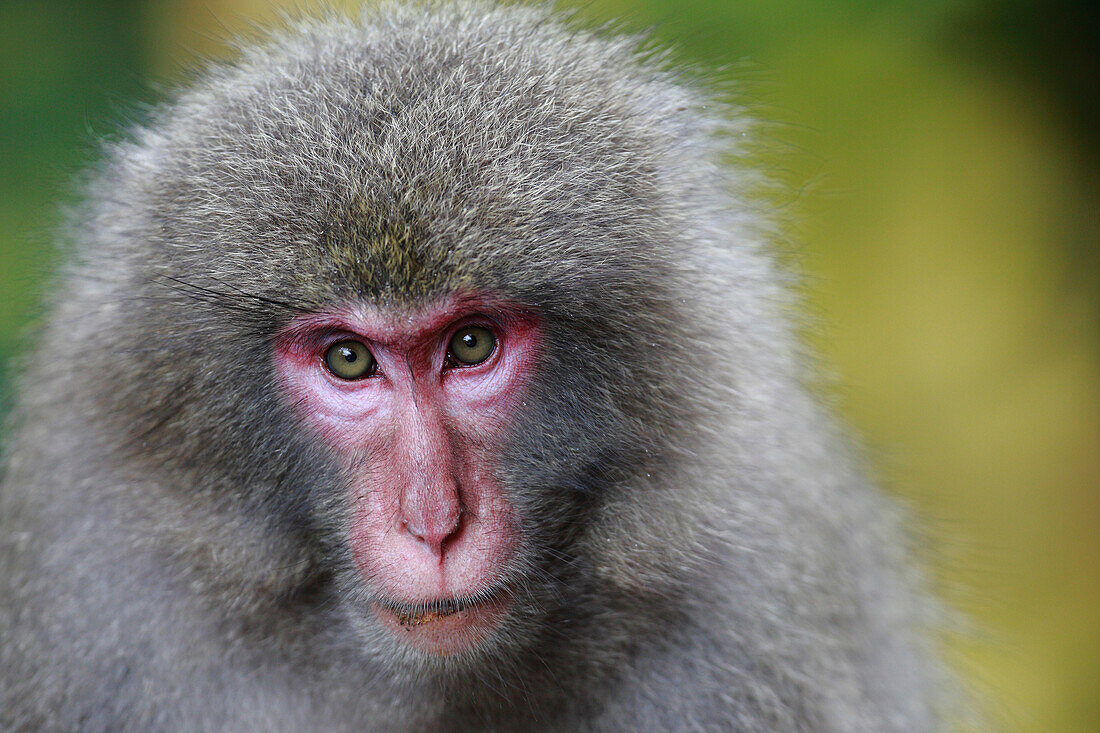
(420, 440)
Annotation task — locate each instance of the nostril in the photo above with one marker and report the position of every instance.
(434, 530)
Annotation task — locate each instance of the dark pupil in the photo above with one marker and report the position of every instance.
(349, 355)
(469, 340)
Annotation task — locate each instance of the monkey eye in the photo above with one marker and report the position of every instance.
(472, 345)
(350, 360)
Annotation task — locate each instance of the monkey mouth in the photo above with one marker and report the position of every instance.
(423, 613)
(445, 626)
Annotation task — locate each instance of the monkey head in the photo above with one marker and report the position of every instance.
(432, 305)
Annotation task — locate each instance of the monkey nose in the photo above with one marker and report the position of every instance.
(433, 526)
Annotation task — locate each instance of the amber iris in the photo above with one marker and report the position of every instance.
(472, 345)
(350, 360)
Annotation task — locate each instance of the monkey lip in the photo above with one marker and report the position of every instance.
(426, 613)
(444, 626)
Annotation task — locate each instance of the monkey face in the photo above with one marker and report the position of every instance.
(415, 404)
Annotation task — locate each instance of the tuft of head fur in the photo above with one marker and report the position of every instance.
(706, 553)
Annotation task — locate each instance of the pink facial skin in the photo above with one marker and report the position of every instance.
(420, 439)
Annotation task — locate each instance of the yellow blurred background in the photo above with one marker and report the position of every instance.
(940, 171)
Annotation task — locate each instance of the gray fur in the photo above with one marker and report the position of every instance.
(708, 556)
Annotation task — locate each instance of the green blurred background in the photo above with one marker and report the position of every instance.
(940, 171)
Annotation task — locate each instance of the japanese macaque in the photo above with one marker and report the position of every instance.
(428, 370)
